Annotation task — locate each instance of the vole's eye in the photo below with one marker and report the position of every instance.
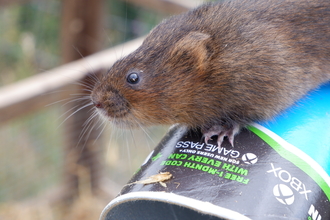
(133, 78)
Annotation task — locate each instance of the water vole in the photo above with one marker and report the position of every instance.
(221, 66)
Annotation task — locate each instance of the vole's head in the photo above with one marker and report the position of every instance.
(156, 84)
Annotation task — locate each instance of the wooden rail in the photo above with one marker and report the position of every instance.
(36, 92)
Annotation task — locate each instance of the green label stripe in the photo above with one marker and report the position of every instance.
(296, 160)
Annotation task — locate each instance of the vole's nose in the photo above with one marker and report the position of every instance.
(98, 104)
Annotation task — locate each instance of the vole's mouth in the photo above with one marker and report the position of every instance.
(111, 115)
(123, 120)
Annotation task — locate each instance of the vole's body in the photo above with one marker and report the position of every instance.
(224, 64)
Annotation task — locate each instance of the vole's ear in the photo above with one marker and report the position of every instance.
(195, 37)
(194, 45)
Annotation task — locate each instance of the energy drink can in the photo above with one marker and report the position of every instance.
(276, 170)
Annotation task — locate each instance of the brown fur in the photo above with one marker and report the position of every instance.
(234, 62)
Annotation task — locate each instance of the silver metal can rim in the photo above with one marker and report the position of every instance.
(171, 198)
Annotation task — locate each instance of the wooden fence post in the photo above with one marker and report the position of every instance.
(81, 32)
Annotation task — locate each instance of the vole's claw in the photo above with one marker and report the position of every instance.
(222, 133)
(221, 136)
(207, 135)
(231, 140)
(206, 139)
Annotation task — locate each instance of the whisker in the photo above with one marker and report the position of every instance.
(84, 106)
(81, 55)
(94, 77)
(88, 86)
(90, 118)
(146, 133)
(76, 100)
(133, 137)
(128, 155)
(102, 130)
(87, 126)
(57, 102)
(86, 132)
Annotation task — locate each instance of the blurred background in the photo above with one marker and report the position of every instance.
(54, 162)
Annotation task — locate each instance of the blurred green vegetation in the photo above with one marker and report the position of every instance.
(30, 34)
(29, 39)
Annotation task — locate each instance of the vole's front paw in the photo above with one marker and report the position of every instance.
(221, 132)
